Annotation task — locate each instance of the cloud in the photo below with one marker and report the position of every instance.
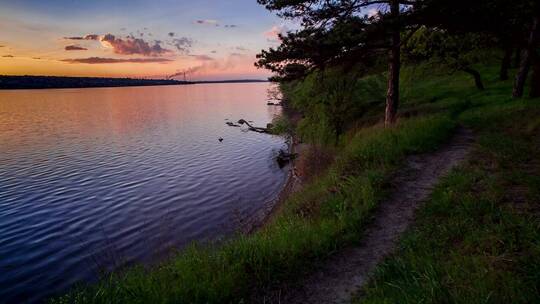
(207, 22)
(202, 57)
(91, 37)
(237, 55)
(213, 51)
(232, 63)
(131, 46)
(273, 33)
(75, 48)
(241, 48)
(372, 12)
(87, 37)
(231, 25)
(182, 44)
(1, 46)
(8, 56)
(101, 60)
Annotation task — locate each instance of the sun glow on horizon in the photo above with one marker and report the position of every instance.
(206, 40)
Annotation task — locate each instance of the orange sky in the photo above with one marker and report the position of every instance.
(208, 39)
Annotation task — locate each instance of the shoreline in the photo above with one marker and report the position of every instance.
(292, 185)
(9, 82)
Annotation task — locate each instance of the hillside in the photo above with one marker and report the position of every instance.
(475, 238)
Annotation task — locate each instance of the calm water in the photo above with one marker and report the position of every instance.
(94, 178)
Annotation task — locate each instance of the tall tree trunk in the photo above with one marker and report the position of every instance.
(505, 64)
(394, 65)
(535, 77)
(477, 78)
(517, 58)
(338, 128)
(525, 66)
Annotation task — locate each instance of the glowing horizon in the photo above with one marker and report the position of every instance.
(209, 40)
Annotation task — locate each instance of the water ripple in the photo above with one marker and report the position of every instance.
(93, 179)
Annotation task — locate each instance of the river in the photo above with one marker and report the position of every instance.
(96, 179)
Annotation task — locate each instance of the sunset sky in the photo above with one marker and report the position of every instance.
(210, 39)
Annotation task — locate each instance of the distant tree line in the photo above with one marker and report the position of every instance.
(50, 82)
(340, 33)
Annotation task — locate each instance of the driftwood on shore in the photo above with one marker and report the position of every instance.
(284, 158)
(250, 126)
(253, 128)
(232, 124)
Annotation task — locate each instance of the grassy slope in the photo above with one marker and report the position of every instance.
(478, 238)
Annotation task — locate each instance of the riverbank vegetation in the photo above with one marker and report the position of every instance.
(477, 239)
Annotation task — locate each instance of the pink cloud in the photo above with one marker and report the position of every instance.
(87, 37)
(75, 48)
(202, 57)
(100, 60)
(131, 46)
(232, 66)
(273, 33)
(91, 37)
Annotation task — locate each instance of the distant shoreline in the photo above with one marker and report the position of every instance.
(63, 82)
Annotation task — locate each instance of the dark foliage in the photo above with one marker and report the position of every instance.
(49, 82)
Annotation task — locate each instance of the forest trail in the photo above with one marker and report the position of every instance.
(349, 269)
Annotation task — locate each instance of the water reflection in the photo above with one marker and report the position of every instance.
(99, 177)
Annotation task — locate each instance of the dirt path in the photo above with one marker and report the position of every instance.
(348, 270)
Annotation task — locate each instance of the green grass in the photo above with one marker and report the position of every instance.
(281, 126)
(477, 240)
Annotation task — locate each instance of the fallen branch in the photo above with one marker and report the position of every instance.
(232, 124)
(253, 128)
(285, 157)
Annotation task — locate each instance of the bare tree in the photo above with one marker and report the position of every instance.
(526, 59)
